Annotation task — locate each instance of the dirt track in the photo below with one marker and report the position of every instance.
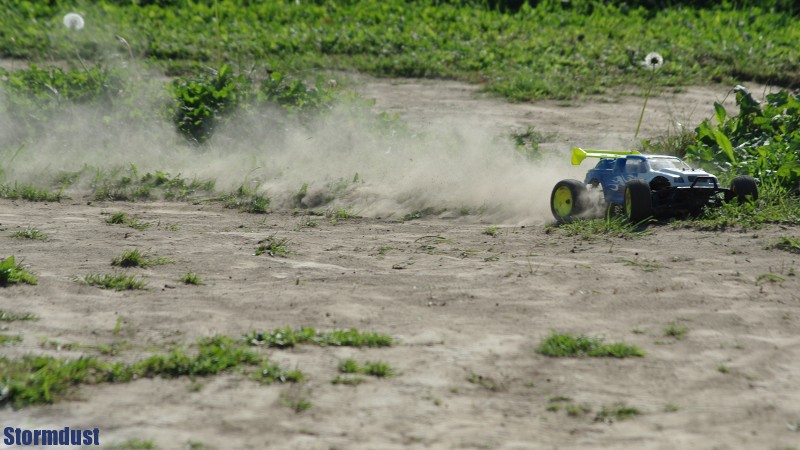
(468, 310)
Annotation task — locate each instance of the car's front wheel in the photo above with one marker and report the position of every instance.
(638, 201)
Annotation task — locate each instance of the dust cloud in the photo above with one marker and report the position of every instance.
(461, 170)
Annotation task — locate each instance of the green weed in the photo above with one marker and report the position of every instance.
(590, 229)
(12, 273)
(29, 192)
(567, 345)
(485, 382)
(270, 373)
(789, 244)
(616, 413)
(272, 246)
(287, 337)
(377, 369)
(191, 278)
(676, 331)
(30, 233)
(491, 231)
(769, 277)
(347, 381)
(134, 444)
(247, 200)
(135, 258)
(6, 316)
(123, 219)
(9, 339)
(119, 282)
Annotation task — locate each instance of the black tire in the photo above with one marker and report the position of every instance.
(742, 187)
(568, 200)
(638, 204)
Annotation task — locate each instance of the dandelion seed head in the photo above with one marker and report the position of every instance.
(653, 61)
(73, 21)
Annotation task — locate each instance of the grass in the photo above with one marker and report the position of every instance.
(567, 345)
(590, 229)
(29, 192)
(191, 278)
(134, 444)
(9, 339)
(377, 369)
(287, 337)
(30, 233)
(135, 258)
(347, 381)
(645, 265)
(6, 316)
(246, 199)
(788, 244)
(270, 373)
(12, 273)
(491, 231)
(676, 331)
(616, 413)
(272, 246)
(33, 379)
(119, 282)
(121, 218)
(485, 382)
(775, 204)
(297, 400)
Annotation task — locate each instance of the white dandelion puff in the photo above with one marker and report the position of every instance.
(73, 21)
(653, 61)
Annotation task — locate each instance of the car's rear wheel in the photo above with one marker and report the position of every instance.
(568, 200)
(638, 201)
(743, 188)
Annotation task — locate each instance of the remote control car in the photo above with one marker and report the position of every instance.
(642, 186)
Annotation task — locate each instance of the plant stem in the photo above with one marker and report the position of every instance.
(646, 97)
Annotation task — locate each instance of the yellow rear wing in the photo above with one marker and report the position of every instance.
(579, 154)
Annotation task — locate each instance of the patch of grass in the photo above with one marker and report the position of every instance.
(297, 400)
(342, 214)
(616, 413)
(247, 199)
(272, 246)
(590, 229)
(287, 337)
(135, 258)
(577, 410)
(723, 369)
(191, 278)
(676, 331)
(9, 339)
(134, 444)
(769, 277)
(121, 218)
(30, 233)
(347, 381)
(377, 369)
(485, 382)
(119, 282)
(645, 265)
(789, 244)
(29, 192)
(270, 373)
(775, 204)
(491, 231)
(6, 316)
(567, 345)
(12, 273)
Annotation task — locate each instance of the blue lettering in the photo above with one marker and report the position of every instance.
(75, 437)
(49, 437)
(27, 438)
(63, 436)
(8, 432)
(96, 432)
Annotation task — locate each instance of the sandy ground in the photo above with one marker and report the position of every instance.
(467, 310)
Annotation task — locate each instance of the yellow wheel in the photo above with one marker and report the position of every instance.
(568, 200)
